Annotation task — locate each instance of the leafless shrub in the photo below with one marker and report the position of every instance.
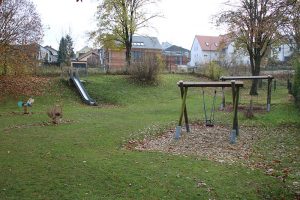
(55, 113)
(147, 68)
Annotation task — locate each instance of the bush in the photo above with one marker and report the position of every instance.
(147, 69)
(212, 71)
(296, 85)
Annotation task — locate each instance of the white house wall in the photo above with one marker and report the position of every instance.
(200, 57)
(238, 57)
(284, 51)
(196, 53)
(209, 56)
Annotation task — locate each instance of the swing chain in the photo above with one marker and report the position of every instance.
(210, 121)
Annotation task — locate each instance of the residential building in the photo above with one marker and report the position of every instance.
(115, 59)
(53, 54)
(284, 52)
(82, 51)
(47, 55)
(175, 56)
(206, 49)
(92, 58)
(165, 45)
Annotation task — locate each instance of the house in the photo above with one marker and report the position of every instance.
(115, 59)
(283, 53)
(47, 55)
(206, 49)
(53, 54)
(175, 56)
(82, 51)
(165, 45)
(92, 58)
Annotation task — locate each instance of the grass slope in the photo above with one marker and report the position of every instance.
(84, 158)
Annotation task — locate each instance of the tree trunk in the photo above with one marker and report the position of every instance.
(128, 58)
(253, 90)
(255, 70)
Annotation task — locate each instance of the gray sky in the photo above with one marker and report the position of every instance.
(181, 22)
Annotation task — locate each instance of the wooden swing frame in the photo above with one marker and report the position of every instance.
(235, 85)
(269, 90)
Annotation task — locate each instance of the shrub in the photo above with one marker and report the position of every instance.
(212, 71)
(296, 85)
(55, 113)
(147, 69)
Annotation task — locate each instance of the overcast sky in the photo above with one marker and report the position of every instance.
(181, 22)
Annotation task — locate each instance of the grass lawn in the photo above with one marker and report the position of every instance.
(84, 158)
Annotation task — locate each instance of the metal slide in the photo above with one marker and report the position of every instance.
(86, 98)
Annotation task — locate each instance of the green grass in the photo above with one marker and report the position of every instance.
(85, 158)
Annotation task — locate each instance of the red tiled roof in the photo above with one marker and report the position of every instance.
(210, 43)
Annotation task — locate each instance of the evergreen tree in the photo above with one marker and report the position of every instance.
(62, 51)
(69, 49)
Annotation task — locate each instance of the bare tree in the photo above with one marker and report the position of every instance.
(20, 25)
(255, 25)
(119, 20)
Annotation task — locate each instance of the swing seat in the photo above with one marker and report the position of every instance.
(209, 123)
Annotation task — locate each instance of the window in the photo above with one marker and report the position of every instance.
(206, 43)
(137, 55)
(279, 49)
(138, 44)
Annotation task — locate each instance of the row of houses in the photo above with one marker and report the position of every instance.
(205, 49)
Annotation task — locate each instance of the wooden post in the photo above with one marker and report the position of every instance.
(223, 94)
(235, 96)
(233, 92)
(185, 110)
(269, 93)
(223, 98)
(236, 125)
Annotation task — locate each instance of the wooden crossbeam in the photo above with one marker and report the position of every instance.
(209, 84)
(226, 78)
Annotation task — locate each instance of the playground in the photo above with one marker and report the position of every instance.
(124, 148)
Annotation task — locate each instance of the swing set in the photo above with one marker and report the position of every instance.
(269, 89)
(209, 121)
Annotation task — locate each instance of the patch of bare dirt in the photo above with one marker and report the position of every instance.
(39, 124)
(212, 143)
